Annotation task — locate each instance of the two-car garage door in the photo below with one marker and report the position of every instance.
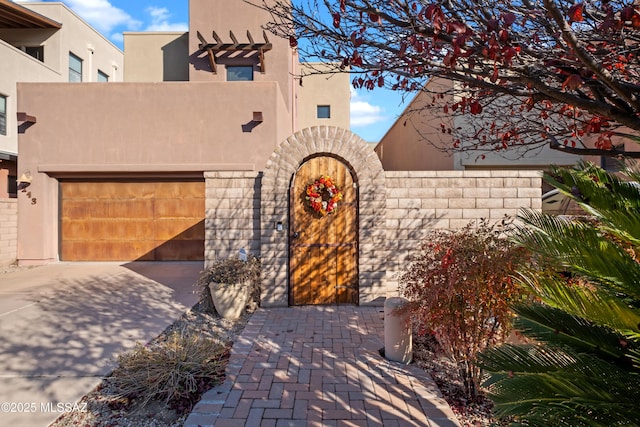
(119, 220)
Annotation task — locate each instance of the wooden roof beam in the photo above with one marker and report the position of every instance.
(262, 50)
(217, 37)
(203, 41)
(233, 38)
(219, 45)
(212, 60)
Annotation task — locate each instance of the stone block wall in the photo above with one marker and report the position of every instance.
(8, 230)
(420, 201)
(395, 209)
(232, 214)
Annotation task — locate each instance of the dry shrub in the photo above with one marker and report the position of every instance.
(177, 370)
(231, 270)
(459, 286)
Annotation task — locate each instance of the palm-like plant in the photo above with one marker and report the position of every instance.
(582, 365)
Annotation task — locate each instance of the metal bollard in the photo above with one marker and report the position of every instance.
(398, 344)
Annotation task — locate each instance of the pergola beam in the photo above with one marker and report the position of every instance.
(234, 46)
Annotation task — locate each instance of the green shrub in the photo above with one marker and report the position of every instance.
(177, 370)
(459, 287)
(582, 365)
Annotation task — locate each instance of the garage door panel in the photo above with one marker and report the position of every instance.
(107, 229)
(98, 208)
(179, 229)
(104, 251)
(74, 230)
(107, 190)
(122, 221)
(125, 209)
(176, 250)
(124, 230)
(178, 190)
(167, 208)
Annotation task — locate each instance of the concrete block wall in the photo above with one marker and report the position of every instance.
(421, 201)
(396, 209)
(8, 230)
(232, 214)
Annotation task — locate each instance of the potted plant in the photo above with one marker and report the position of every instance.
(229, 283)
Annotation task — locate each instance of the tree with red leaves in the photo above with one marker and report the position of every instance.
(526, 73)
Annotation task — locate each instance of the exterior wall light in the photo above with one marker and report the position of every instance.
(24, 181)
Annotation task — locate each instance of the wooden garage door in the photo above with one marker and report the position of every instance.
(126, 221)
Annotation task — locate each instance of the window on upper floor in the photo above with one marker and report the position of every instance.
(75, 68)
(237, 73)
(324, 111)
(35, 51)
(3, 115)
(102, 77)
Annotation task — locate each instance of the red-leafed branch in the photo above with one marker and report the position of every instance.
(522, 73)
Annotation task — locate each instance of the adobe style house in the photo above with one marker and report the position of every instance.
(212, 146)
(44, 42)
(410, 143)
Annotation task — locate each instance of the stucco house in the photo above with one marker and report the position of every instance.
(413, 141)
(44, 42)
(211, 146)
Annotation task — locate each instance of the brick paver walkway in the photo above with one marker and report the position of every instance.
(319, 366)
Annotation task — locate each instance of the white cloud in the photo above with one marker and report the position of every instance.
(363, 113)
(160, 20)
(103, 16)
(117, 37)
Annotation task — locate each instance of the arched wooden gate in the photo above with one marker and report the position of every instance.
(323, 250)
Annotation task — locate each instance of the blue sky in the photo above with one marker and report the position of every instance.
(372, 112)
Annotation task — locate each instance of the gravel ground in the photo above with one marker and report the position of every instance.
(106, 409)
(444, 372)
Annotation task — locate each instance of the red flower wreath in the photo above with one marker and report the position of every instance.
(323, 195)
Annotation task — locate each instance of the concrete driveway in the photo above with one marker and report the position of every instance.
(62, 325)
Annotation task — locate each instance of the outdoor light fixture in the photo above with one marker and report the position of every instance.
(279, 226)
(24, 181)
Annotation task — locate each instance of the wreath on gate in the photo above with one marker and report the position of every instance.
(323, 195)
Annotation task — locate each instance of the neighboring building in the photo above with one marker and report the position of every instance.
(406, 144)
(415, 140)
(323, 99)
(156, 56)
(44, 42)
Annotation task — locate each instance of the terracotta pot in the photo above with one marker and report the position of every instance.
(230, 300)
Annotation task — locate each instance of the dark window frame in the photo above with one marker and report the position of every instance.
(36, 52)
(323, 111)
(3, 115)
(75, 75)
(105, 77)
(231, 75)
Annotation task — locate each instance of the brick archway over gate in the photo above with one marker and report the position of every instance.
(276, 179)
